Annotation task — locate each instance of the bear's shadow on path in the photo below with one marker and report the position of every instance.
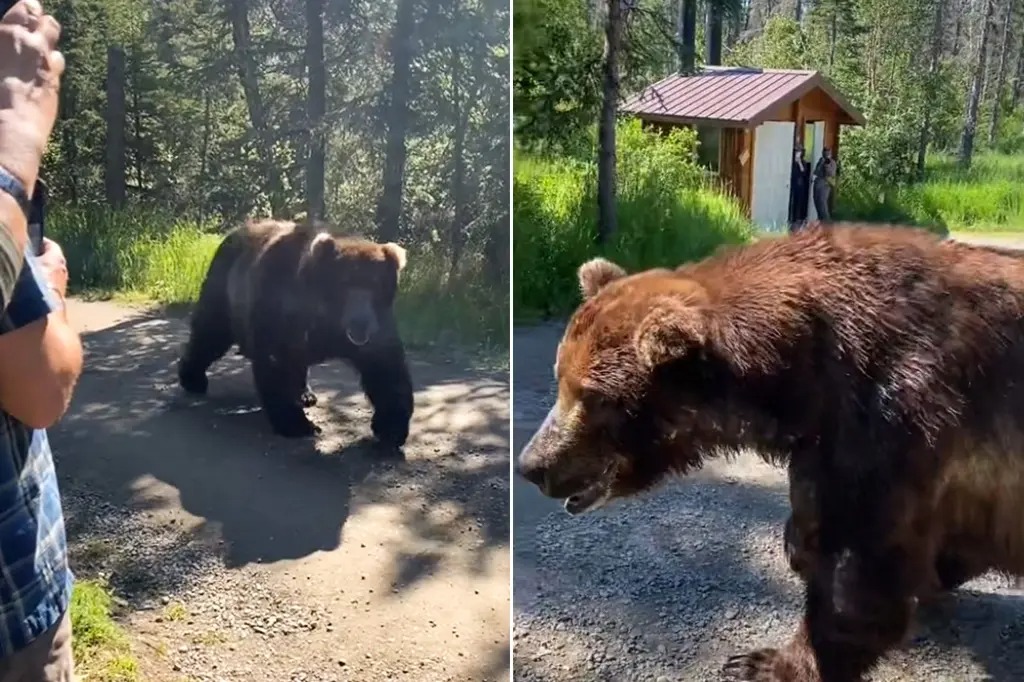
(134, 439)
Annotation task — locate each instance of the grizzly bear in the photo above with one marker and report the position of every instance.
(883, 365)
(292, 296)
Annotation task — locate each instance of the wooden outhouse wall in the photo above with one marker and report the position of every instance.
(814, 106)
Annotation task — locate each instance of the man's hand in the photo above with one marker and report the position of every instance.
(55, 266)
(41, 356)
(30, 72)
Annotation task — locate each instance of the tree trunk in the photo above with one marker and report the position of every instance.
(798, 11)
(389, 208)
(606, 208)
(833, 36)
(687, 36)
(713, 35)
(933, 70)
(238, 12)
(957, 31)
(316, 107)
(204, 158)
(117, 121)
(458, 154)
(1018, 79)
(137, 128)
(497, 251)
(974, 97)
(997, 97)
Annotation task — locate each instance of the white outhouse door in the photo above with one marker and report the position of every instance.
(773, 154)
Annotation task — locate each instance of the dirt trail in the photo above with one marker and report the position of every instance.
(244, 556)
(663, 589)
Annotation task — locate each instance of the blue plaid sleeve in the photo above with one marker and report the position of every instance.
(31, 300)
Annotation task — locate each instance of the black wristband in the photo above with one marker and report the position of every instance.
(11, 185)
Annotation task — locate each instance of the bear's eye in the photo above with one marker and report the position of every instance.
(594, 399)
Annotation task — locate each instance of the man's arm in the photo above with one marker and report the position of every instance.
(40, 354)
(13, 237)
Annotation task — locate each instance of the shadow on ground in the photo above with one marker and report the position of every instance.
(134, 439)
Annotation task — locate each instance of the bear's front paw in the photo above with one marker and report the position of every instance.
(308, 398)
(294, 425)
(766, 665)
(193, 382)
(390, 429)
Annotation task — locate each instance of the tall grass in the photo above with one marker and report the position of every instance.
(666, 216)
(988, 197)
(136, 252)
(153, 256)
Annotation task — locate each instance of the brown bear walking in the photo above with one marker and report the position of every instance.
(883, 365)
(292, 296)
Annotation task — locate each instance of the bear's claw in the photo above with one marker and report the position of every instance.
(768, 665)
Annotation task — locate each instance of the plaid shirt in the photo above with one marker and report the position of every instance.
(35, 579)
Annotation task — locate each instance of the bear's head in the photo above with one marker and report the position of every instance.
(642, 388)
(352, 284)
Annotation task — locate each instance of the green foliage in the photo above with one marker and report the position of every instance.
(556, 71)
(989, 197)
(666, 216)
(781, 45)
(194, 159)
(141, 252)
(100, 647)
(1010, 138)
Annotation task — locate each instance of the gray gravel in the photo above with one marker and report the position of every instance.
(665, 587)
(243, 557)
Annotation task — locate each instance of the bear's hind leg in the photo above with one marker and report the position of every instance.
(210, 338)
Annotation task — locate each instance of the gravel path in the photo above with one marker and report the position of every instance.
(242, 556)
(665, 587)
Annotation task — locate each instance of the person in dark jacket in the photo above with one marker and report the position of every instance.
(825, 175)
(799, 179)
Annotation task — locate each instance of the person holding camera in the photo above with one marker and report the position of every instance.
(40, 360)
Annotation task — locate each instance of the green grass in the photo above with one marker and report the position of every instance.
(989, 197)
(144, 255)
(101, 649)
(554, 219)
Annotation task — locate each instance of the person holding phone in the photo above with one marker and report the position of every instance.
(40, 360)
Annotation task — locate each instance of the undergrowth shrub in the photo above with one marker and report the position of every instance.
(666, 216)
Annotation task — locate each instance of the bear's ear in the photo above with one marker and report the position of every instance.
(596, 273)
(322, 245)
(674, 330)
(395, 254)
(670, 331)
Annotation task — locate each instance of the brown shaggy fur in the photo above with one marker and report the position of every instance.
(292, 296)
(884, 366)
